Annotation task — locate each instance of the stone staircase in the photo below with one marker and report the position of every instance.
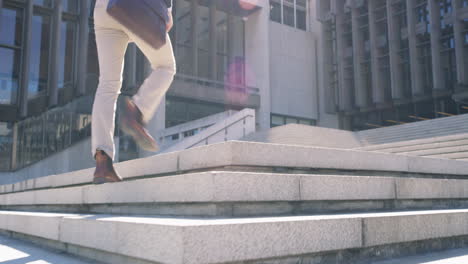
(417, 130)
(248, 202)
(446, 147)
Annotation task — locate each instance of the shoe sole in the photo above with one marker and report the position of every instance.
(102, 180)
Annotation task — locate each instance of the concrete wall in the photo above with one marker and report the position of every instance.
(292, 72)
(257, 53)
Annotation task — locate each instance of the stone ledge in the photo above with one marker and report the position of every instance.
(173, 240)
(170, 240)
(227, 186)
(239, 153)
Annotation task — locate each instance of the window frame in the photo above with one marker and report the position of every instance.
(295, 7)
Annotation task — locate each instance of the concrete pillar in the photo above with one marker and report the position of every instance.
(378, 93)
(24, 79)
(460, 52)
(358, 53)
(213, 44)
(257, 52)
(344, 94)
(14, 147)
(325, 58)
(437, 74)
(394, 45)
(83, 47)
(194, 18)
(416, 81)
(54, 58)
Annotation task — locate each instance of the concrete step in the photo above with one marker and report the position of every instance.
(396, 130)
(428, 124)
(238, 194)
(409, 145)
(442, 128)
(414, 142)
(416, 134)
(455, 155)
(176, 240)
(258, 157)
(437, 150)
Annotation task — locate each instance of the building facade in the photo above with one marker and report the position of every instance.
(390, 62)
(230, 55)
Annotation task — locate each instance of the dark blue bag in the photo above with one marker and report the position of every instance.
(145, 18)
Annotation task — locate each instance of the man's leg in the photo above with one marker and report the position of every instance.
(111, 44)
(158, 82)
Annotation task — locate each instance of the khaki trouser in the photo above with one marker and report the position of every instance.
(112, 40)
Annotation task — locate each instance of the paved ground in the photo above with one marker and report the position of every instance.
(18, 252)
(456, 256)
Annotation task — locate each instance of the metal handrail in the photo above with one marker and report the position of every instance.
(217, 131)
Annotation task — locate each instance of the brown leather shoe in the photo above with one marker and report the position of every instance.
(104, 169)
(132, 124)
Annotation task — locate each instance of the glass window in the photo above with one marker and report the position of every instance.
(236, 65)
(70, 6)
(9, 75)
(67, 53)
(290, 120)
(45, 3)
(203, 41)
(6, 140)
(301, 20)
(275, 11)
(293, 12)
(277, 120)
(288, 12)
(92, 63)
(221, 41)
(179, 111)
(183, 32)
(11, 27)
(39, 61)
(229, 40)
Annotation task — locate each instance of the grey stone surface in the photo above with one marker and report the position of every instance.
(454, 256)
(261, 154)
(387, 228)
(229, 186)
(194, 187)
(252, 187)
(417, 188)
(44, 225)
(437, 166)
(14, 251)
(347, 188)
(268, 237)
(175, 240)
(146, 238)
(238, 153)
